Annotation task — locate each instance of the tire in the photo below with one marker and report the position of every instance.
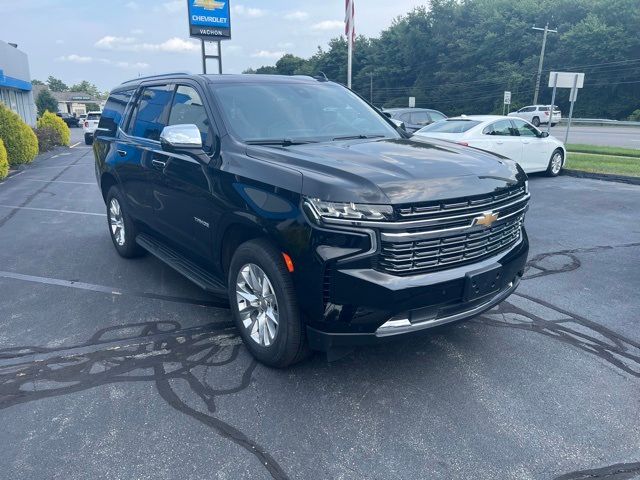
(554, 168)
(276, 345)
(536, 122)
(88, 139)
(124, 237)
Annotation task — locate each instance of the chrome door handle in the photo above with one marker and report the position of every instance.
(158, 163)
(122, 153)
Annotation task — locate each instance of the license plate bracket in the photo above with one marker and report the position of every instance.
(481, 283)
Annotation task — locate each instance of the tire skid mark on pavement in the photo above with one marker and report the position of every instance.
(33, 195)
(173, 354)
(619, 471)
(573, 262)
(218, 303)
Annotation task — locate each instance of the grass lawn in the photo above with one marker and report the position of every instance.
(615, 165)
(619, 151)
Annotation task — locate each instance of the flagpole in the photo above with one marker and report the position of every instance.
(349, 60)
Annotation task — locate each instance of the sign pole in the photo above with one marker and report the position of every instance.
(574, 94)
(553, 101)
(219, 58)
(204, 58)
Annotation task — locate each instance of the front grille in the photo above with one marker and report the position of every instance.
(445, 235)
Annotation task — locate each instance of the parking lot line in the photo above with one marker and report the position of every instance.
(75, 145)
(221, 303)
(53, 210)
(59, 181)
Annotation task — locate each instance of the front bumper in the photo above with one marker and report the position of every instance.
(367, 306)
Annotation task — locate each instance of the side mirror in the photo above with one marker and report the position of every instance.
(544, 134)
(180, 137)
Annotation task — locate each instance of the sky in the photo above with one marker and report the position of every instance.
(107, 42)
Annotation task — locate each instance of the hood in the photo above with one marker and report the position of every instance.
(389, 171)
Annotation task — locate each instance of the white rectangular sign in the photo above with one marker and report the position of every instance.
(566, 79)
(412, 102)
(507, 98)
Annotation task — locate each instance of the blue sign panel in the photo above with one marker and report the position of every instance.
(209, 19)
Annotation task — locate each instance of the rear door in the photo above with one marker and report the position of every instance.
(503, 139)
(134, 149)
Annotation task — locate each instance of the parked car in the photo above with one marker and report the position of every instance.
(90, 125)
(323, 224)
(512, 138)
(538, 114)
(69, 119)
(415, 118)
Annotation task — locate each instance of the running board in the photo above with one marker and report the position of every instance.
(181, 264)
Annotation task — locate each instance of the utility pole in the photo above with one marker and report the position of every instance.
(371, 88)
(546, 30)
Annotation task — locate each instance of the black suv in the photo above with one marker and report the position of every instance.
(323, 224)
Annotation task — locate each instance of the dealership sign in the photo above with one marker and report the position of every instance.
(209, 19)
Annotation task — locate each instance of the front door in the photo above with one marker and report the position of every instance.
(535, 155)
(504, 140)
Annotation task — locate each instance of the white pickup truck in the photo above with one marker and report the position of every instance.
(90, 125)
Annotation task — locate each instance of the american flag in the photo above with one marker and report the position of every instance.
(349, 27)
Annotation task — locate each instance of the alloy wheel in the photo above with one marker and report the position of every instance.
(257, 304)
(556, 163)
(116, 221)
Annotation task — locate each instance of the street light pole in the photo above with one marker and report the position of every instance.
(546, 30)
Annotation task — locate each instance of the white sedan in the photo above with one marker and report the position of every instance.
(513, 138)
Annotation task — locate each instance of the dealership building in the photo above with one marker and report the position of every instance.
(15, 82)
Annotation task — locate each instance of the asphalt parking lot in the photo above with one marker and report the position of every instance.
(121, 369)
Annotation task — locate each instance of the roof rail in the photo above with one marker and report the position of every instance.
(156, 76)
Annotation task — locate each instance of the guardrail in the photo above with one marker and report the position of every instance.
(600, 121)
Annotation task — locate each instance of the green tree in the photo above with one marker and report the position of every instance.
(56, 85)
(86, 87)
(46, 102)
(37, 82)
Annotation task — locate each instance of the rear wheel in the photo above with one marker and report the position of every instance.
(121, 227)
(264, 305)
(536, 122)
(555, 163)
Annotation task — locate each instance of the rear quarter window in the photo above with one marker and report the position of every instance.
(113, 112)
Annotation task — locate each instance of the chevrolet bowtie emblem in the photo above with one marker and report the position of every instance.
(486, 219)
(208, 4)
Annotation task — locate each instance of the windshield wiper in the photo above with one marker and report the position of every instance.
(284, 142)
(356, 137)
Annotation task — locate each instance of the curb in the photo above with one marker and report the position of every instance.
(601, 176)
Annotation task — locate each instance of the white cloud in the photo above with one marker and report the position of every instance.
(267, 54)
(328, 25)
(297, 15)
(173, 6)
(130, 44)
(75, 58)
(132, 5)
(248, 11)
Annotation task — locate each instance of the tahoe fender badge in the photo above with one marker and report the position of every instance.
(201, 222)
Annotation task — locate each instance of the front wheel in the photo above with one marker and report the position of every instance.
(88, 139)
(555, 163)
(264, 305)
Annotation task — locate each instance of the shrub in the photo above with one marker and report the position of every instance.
(45, 101)
(47, 138)
(19, 140)
(4, 163)
(54, 122)
(635, 116)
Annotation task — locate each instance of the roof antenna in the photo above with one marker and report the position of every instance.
(321, 77)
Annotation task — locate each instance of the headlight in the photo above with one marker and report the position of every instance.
(351, 211)
(526, 186)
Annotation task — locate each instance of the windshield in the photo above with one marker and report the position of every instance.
(449, 126)
(298, 112)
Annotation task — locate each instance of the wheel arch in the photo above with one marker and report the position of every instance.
(236, 233)
(107, 180)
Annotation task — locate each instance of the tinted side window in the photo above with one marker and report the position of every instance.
(113, 112)
(524, 129)
(419, 118)
(151, 111)
(188, 108)
(405, 117)
(501, 128)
